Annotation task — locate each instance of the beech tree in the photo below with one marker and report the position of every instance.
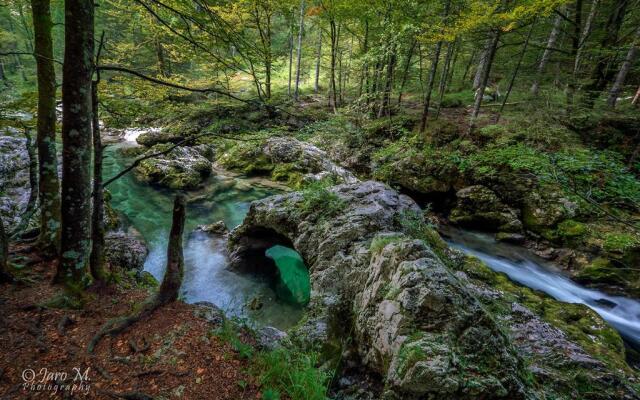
(77, 118)
(49, 185)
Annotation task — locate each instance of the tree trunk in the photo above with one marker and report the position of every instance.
(388, 85)
(575, 47)
(405, 71)
(486, 68)
(551, 42)
(636, 98)
(49, 184)
(477, 79)
(76, 142)
(316, 84)
(170, 287)
(333, 97)
(616, 89)
(162, 62)
(432, 78)
(5, 276)
(585, 34)
(290, 62)
(602, 73)
(364, 77)
(97, 258)
(299, 55)
(515, 71)
(468, 67)
(443, 77)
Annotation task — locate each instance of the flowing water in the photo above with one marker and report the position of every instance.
(525, 268)
(227, 198)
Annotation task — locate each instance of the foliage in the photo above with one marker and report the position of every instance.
(292, 373)
(318, 200)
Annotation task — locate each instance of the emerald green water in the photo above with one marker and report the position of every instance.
(294, 283)
(148, 210)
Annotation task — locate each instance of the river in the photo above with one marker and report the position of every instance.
(523, 267)
(227, 198)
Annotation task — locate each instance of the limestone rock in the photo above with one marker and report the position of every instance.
(185, 167)
(125, 250)
(479, 207)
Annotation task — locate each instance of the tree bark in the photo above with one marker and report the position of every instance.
(443, 77)
(97, 258)
(432, 78)
(405, 71)
(585, 34)
(333, 96)
(477, 79)
(290, 62)
(49, 183)
(76, 142)
(5, 276)
(170, 287)
(162, 62)
(551, 42)
(485, 76)
(635, 101)
(575, 47)
(515, 71)
(299, 55)
(618, 84)
(602, 73)
(316, 84)
(388, 85)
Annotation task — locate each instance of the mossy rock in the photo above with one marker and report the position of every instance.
(289, 174)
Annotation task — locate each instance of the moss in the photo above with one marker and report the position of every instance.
(581, 324)
(620, 242)
(571, 229)
(601, 270)
(288, 174)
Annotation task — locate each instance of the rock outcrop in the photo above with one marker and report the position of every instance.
(125, 250)
(14, 178)
(386, 290)
(480, 208)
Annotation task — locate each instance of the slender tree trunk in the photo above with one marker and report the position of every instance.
(443, 77)
(364, 78)
(170, 286)
(477, 79)
(388, 85)
(602, 73)
(551, 42)
(485, 77)
(454, 61)
(5, 276)
(636, 98)
(468, 67)
(575, 47)
(299, 55)
(432, 78)
(49, 184)
(76, 142)
(333, 97)
(405, 71)
(268, 60)
(585, 34)
(162, 62)
(290, 62)
(97, 258)
(515, 71)
(618, 84)
(316, 83)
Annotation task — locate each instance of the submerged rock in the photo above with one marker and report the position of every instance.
(217, 228)
(385, 285)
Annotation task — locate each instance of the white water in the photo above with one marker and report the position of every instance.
(131, 134)
(621, 312)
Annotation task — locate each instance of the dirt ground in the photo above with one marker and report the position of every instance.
(171, 354)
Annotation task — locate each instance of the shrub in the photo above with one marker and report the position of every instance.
(317, 199)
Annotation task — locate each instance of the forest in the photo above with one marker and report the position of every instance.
(320, 199)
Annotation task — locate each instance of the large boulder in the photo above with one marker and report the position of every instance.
(383, 284)
(480, 208)
(14, 178)
(305, 157)
(184, 167)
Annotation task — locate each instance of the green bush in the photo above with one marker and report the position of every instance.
(317, 199)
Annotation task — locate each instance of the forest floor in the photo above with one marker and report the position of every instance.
(171, 354)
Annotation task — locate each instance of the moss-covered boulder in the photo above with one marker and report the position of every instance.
(544, 208)
(480, 208)
(388, 296)
(182, 168)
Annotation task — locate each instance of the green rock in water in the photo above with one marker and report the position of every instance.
(294, 284)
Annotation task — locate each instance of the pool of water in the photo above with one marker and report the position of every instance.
(525, 268)
(207, 278)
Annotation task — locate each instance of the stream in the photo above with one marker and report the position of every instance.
(523, 267)
(227, 198)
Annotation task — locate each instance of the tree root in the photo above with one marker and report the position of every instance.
(118, 325)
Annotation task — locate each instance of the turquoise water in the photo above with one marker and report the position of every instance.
(294, 285)
(227, 198)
